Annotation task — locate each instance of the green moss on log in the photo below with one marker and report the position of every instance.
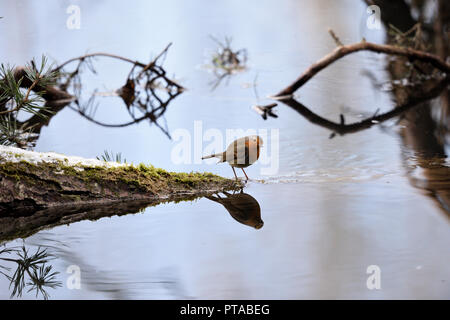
(53, 183)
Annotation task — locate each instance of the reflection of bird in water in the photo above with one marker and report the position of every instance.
(240, 153)
(242, 207)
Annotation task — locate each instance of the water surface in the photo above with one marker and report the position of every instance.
(334, 207)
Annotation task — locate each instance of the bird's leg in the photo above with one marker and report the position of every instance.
(244, 173)
(235, 174)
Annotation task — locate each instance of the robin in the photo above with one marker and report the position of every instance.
(240, 153)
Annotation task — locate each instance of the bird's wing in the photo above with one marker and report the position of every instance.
(237, 151)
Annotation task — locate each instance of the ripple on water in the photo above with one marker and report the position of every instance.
(340, 174)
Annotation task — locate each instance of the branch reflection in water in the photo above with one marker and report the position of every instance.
(424, 139)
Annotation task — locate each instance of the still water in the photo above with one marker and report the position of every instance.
(333, 207)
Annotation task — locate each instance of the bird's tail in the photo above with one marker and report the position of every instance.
(215, 155)
(209, 157)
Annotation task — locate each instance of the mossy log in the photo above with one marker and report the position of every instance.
(32, 181)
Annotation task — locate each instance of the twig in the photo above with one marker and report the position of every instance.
(152, 63)
(27, 95)
(134, 62)
(99, 54)
(335, 38)
(342, 51)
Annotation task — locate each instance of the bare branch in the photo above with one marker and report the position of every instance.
(342, 51)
